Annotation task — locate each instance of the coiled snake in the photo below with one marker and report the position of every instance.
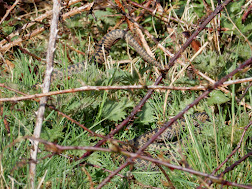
(102, 50)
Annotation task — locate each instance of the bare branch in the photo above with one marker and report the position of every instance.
(128, 87)
(230, 155)
(98, 88)
(60, 149)
(179, 115)
(6, 47)
(9, 10)
(171, 63)
(46, 88)
(59, 112)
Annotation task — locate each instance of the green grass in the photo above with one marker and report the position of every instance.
(101, 111)
(204, 153)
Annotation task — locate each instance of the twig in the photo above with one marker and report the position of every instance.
(246, 14)
(89, 178)
(8, 11)
(161, 16)
(72, 48)
(98, 88)
(39, 30)
(246, 90)
(119, 4)
(78, 10)
(235, 164)
(59, 112)
(169, 53)
(59, 149)
(197, 31)
(125, 121)
(46, 88)
(20, 40)
(158, 80)
(171, 63)
(218, 83)
(233, 152)
(246, 39)
(100, 167)
(38, 19)
(179, 115)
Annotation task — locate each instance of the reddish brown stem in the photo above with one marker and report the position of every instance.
(169, 123)
(171, 63)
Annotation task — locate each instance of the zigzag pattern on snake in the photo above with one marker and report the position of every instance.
(171, 134)
(102, 50)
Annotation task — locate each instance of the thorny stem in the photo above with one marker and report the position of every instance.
(233, 152)
(136, 109)
(129, 118)
(230, 155)
(196, 32)
(127, 87)
(57, 149)
(245, 91)
(169, 123)
(159, 79)
(236, 163)
(55, 109)
(46, 88)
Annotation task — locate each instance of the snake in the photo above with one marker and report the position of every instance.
(170, 134)
(102, 50)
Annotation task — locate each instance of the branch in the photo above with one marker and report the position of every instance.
(97, 88)
(57, 149)
(179, 115)
(127, 87)
(39, 30)
(59, 112)
(8, 11)
(46, 88)
(230, 155)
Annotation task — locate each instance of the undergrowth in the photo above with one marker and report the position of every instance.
(102, 111)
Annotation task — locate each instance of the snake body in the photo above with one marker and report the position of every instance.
(110, 38)
(102, 50)
(171, 135)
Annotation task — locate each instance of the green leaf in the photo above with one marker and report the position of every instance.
(185, 102)
(102, 15)
(236, 6)
(146, 116)
(78, 104)
(114, 110)
(52, 134)
(217, 97)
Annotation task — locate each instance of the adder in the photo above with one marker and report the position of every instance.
(102, 50)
